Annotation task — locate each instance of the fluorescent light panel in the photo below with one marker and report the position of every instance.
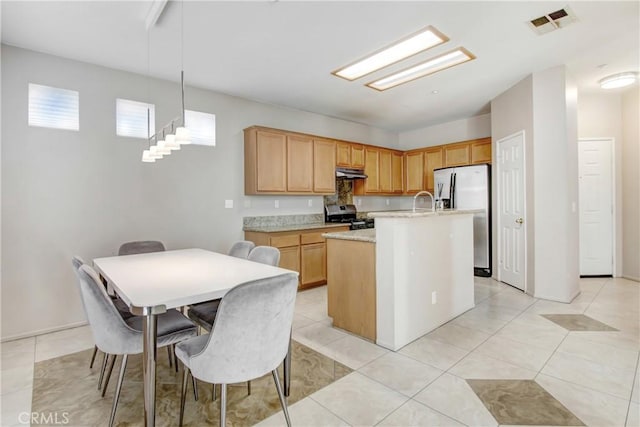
(433, 65)
(618, 80)
(411, 45)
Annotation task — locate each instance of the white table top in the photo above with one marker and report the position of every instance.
(178, 278)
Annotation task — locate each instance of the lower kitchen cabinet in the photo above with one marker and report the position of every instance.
(303, 251)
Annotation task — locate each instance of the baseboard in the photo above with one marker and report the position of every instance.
(43, 331)
(635, 279)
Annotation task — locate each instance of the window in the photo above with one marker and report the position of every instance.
(202, 127)
(51, 107)
(131, 118)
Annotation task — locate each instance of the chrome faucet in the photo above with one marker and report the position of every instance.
(433, 202)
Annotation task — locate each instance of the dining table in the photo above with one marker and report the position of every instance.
(152, 283)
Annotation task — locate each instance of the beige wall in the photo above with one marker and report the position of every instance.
(84, 193)
(631, 184)
(600, 116)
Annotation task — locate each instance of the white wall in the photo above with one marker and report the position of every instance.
(445, 133)
(84, 193)
(631, 183)
(512, 111)
(600, 116)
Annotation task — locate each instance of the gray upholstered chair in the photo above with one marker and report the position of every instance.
(115, 336)
(203, 313)
(141, 247)
(250, 337)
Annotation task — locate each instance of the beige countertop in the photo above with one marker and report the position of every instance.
(365, 235)
(420, 213)
(293, 227)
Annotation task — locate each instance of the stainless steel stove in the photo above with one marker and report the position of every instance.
(347, 214)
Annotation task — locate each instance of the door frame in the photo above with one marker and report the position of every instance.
(614, 199)
(524, 200)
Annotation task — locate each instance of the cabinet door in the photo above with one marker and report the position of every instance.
(271, 161)
(481, 151)
(457, 155)
(372, 183)
(343, 154)
(415, 172)
(313, 264)
(299, 163)
(397, 172)
(432, 160)
(324, 166)
(357, 156)
(290, 258)
(384, 171)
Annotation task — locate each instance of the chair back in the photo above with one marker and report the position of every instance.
(250, 336)
(241, 249)
(77, 262)
(110, 333)
(265, 255)
(141, 247)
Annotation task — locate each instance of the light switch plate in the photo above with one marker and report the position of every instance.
(276, 204)
(387, 202)
(310, 203)
(228, 204)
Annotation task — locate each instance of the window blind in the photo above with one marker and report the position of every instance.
(202, 127)
(131, 118)
(53, 107)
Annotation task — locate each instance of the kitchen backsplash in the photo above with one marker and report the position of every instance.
(344, 193)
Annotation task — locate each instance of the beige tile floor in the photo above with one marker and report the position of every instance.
(593, 374)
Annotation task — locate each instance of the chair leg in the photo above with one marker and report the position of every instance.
(183, 394)
(170, 357)
(213, 392)
(248, 388)
(175, 358)
(104, 368)
(195, 387)
(116, 396)
(109, 370)
(283, 402)
(93, 356)
(223, 405)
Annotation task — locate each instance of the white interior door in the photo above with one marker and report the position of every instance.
(596, 206)
(511, 208)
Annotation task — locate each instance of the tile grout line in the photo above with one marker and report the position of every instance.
(626, 419)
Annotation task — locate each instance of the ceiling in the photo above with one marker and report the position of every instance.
(283, 52)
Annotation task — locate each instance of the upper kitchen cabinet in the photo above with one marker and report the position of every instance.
(277, 162)
(414, 161)
(357, 156)
(384, 171)
(397, 172)
(349, 155)
(300, 160)
(371, 169)
(432, 160)
(458, 154)
(324, 166)
(480, 150)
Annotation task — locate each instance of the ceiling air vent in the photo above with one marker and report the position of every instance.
(552, 21)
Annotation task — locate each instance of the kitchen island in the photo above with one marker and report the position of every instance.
(411, 274)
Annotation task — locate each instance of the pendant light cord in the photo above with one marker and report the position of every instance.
(184, 124)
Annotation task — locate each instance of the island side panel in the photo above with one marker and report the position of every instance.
(416, 257)
(351, 286)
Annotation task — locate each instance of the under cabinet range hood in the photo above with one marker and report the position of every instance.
(349, 173)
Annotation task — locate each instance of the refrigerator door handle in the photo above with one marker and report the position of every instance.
(453, 191)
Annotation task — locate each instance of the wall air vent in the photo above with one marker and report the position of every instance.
(552, 21)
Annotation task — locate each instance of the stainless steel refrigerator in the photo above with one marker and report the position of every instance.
(469, 187)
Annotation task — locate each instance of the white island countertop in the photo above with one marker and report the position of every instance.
(420, 213)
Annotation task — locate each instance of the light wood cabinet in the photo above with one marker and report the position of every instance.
(300, 160)
(324, 166)
(432, 160)
(303, 251)
(414, 162)
(384, 171)
(351, 286)
(371, 169)
(343, 154)
(458, 154)
(481, 151)
(397, 172)
(268, 171)
(357, 156)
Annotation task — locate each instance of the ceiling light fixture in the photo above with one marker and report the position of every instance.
(409, 46)
(433, 65)
(618, 80)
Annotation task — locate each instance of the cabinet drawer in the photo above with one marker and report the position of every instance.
(284, 241)
(307, 238)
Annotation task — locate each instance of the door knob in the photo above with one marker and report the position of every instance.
(519, 221)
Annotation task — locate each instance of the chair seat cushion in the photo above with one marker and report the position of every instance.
(204, 313)
(173, 327)
(186, 349)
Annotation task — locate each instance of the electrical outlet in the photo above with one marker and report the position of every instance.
(276, 204)
(228, 204)
(359, 202)
(434, 297)
(387, 202)
(310, 203)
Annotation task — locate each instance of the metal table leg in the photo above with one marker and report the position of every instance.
(149, 329)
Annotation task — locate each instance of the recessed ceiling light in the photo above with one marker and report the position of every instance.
(618, 80)
(433, 65)
(434, 91)
(410, 45)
